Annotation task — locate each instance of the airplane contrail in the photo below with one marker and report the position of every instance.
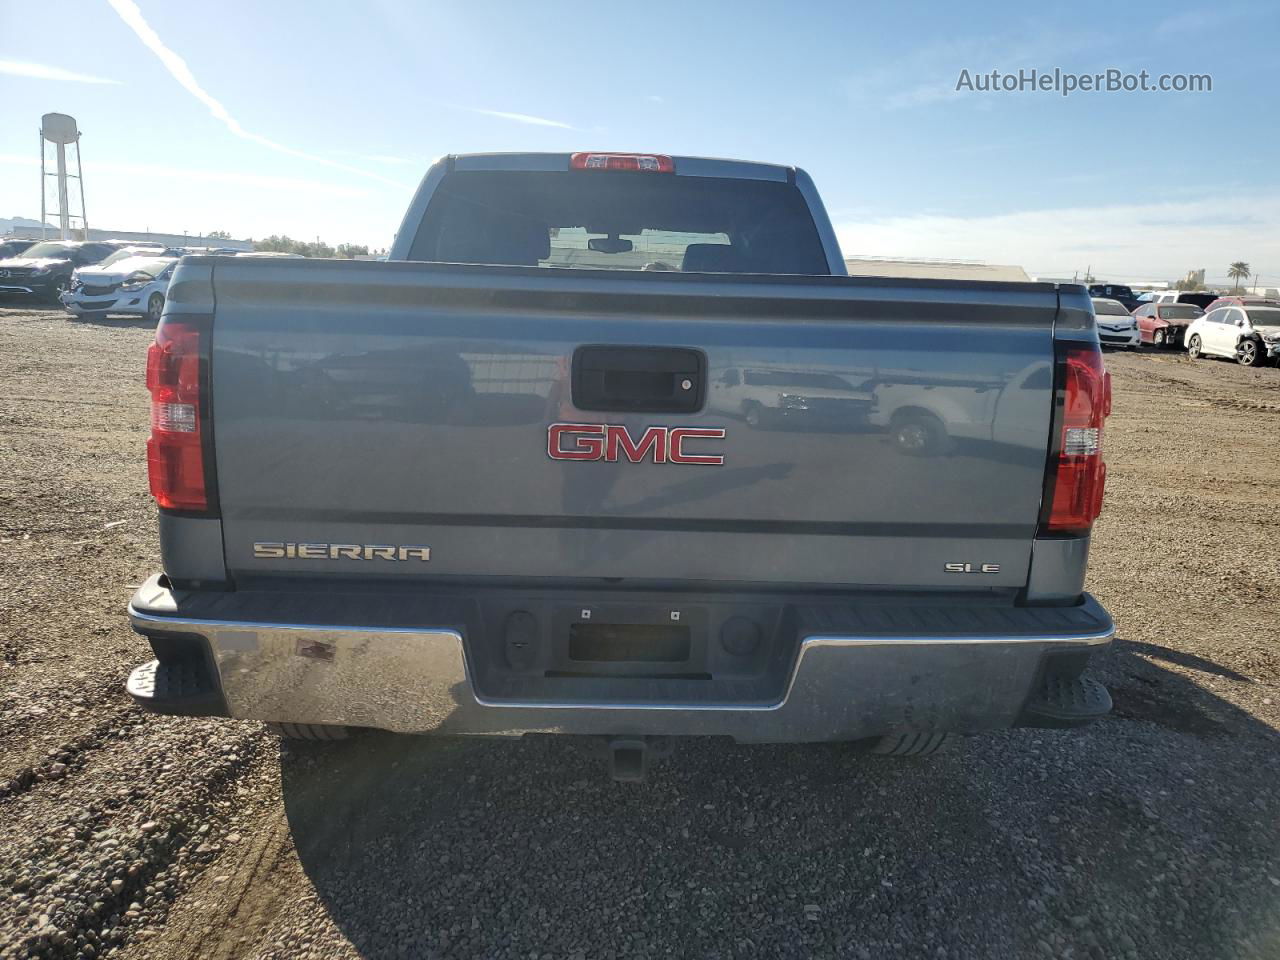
(520, 118)
(128, 12)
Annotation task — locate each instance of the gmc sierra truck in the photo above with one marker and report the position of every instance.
(484, 488)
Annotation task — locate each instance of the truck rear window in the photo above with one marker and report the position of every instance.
(620, 221)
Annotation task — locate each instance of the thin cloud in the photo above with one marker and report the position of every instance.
(1058, 242)
(372, 157)
(520, 118)
(927, 75)
(42, 71)
(128, 12)
(1192, 23)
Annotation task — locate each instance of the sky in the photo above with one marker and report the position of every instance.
(318, 118)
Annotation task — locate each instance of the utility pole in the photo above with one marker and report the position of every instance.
(44, 192)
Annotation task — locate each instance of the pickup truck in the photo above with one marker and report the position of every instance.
(483, 488)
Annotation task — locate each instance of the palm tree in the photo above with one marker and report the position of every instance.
(1238, 270)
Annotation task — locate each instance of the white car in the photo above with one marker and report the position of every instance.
(133, 285)
(1116, 326)
(766, 397)
(139, 250)
(1248, 335)
(926, 417)
(130, 252)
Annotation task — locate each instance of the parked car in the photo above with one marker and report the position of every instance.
(1115, 291)
(44, 269)
(15, 247)
(1201, 300)
(956, 411)
(1250, 335)
(131, 251)
(1117, 327)
(205, 251)
(154, 245)
(1242, 300)
(1165, 324)
(133, 285)
(537, 521)
(765, 396)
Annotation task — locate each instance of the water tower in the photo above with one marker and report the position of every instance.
(60, 130)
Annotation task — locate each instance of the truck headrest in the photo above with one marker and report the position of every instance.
(520, 241)
(711, 258)
(474, 236)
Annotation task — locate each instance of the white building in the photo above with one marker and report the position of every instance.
(933, 269)
(25, 227)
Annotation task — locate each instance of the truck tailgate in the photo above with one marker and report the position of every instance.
(875, 432)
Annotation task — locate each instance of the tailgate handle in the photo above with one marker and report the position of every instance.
(639, 379)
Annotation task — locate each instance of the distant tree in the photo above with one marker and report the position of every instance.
(283, 243)
(276, 244)
(1238, 271)
(218, 235)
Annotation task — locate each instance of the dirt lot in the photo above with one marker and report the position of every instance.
(1155, 833)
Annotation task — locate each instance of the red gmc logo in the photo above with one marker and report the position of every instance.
(612, 442)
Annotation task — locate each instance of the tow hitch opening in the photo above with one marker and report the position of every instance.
(629, 757)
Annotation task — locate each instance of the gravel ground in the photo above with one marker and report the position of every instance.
(1154, 833)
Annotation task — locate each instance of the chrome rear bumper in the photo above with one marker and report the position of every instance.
(417, 679)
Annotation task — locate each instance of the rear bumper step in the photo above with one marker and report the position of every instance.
(846, 669)
(183, 688)
(1066, 702)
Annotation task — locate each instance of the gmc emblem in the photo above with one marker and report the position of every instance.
(612, 442)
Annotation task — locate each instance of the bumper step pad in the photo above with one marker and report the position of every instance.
(181, 688)
(1066, 702)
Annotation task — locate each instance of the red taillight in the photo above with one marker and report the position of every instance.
(642, 162)
(1077, 472)
(175, 452)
